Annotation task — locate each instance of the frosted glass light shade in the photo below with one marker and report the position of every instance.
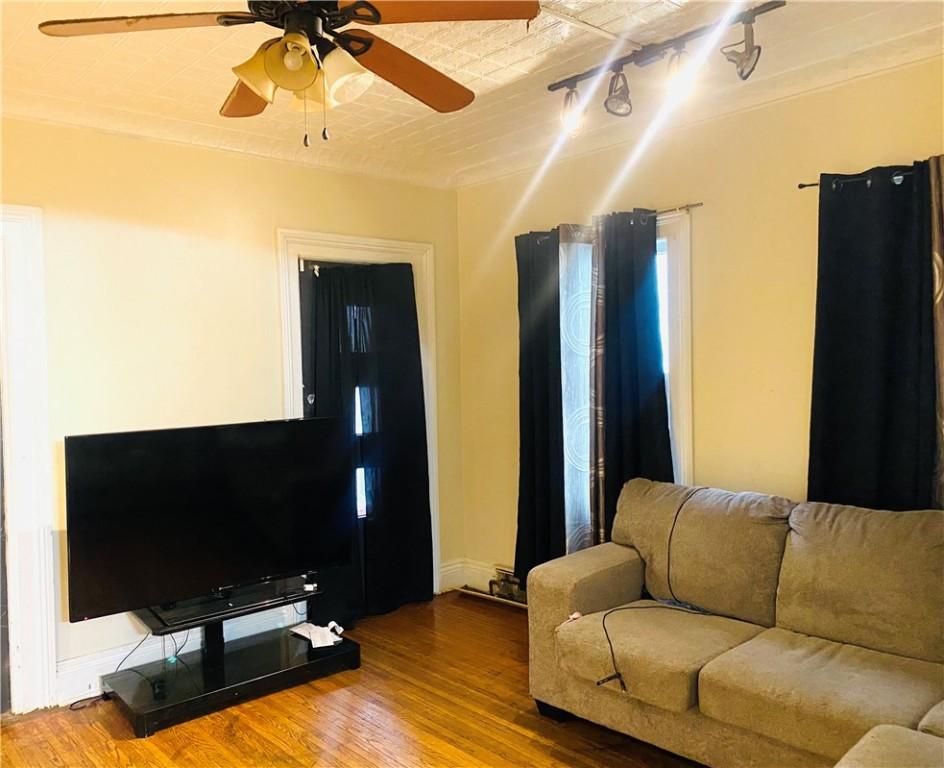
(252, 73)
(347, 79)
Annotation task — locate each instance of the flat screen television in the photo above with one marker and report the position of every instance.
(155, 517)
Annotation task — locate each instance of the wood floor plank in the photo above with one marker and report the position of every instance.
(442, 684)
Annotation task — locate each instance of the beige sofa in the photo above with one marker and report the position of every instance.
(824, 622)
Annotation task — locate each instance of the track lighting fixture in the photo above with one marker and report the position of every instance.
(572, 112)
(680, 80)
(677, 63)
(617, 101)
(681, 75)
(744, 61)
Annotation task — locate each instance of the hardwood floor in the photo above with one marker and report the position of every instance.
(441, 684)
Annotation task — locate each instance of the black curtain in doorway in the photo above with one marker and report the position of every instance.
(872, 430)
(361, 360)
(636, 440)
(541, 529)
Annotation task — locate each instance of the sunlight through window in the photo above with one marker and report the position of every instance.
(662, 278)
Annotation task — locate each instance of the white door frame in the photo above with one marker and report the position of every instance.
(295, 244)
(28, 460)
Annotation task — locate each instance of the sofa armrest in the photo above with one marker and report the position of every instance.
(587, 581)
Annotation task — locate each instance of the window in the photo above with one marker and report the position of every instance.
(662, 278)
(358, 413)
(361, 478)
(576, 306)
(576, 262)
(360, 474)
(673, 273)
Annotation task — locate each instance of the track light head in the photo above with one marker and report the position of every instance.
(617, 101)
(677, 60)
(572, 111)
(745, 61)
(681, 74)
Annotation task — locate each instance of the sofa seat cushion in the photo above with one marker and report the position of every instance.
(891, 746)
(659, 651)
(816, 694)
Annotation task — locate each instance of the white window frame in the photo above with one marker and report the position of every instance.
(295, 245)
(28, 460)
(676, 228)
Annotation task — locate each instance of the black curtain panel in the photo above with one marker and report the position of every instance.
(872, 430)
(541, 534)
(635, 417)
(327, 352)
(398, 538)
(361, 360)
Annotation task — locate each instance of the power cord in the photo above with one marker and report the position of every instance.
(75, 706)
(128, 655)
(675, 604)
(617, 675)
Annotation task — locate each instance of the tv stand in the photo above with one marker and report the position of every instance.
(170, 691)
(224, 604)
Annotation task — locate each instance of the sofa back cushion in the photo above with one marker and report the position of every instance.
(725, 550)
(865, 577)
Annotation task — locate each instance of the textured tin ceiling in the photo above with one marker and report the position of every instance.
(169, 85)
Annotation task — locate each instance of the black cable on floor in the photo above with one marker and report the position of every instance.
(75, 706)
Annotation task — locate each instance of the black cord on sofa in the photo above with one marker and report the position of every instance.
(675, 604)
(617, 675)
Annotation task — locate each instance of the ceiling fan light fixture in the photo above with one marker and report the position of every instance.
(253, 75)
(346, 78)
(618, 101)
(314, 95)
(745, 61)
(289, 62)
(340, 80)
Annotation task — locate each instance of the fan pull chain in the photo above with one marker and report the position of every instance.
(306, 141)
(324, 106)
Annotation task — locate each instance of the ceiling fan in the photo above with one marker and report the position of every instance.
(316, 57)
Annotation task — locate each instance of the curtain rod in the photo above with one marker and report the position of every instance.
(686, 207)
(896, 179)
(665, 211)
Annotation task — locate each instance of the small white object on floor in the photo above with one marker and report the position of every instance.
(320, 637)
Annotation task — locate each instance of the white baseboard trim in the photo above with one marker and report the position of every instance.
(80, 678)
(464, 571)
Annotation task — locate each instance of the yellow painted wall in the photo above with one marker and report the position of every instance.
(753, 282)
(163, 291)
(163, 304)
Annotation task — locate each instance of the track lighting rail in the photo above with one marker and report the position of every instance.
(653, 52)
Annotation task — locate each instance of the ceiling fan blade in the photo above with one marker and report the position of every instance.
(406, 72)
(407, 11)
(111, 24)
(242, 102)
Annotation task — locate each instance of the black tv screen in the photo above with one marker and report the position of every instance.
(155, 517)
